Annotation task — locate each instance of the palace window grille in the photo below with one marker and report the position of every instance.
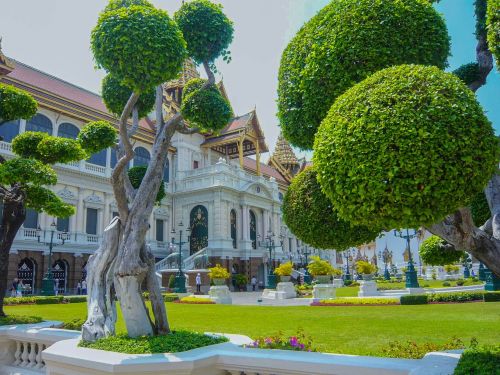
(199, 229)
(26, 272)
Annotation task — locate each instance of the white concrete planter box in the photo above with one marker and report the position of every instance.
(220, 294)
(368, 289)
(323, 291)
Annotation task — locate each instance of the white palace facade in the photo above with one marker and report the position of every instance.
(215, 185)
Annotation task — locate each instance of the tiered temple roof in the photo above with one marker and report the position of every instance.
(284, 159)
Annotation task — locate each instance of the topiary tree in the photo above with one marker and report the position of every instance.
(310, 215)
(26, 178)
(385, 166)
(141, 48)
(398, 145)
(493, 27)
(436, 252)
(343, 44)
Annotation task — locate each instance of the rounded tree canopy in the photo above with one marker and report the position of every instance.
(205, 108)
(206, 29)
(493, 27)
(42, 199)
(136, 175)
(116, 95)
(140, 45)
(26, 171)
(435, 252)
(310, 216)
(96, 136)
(343, 44)
(16, 104)
(116, 4)
(404, 148)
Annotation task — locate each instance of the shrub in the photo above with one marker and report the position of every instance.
(299, 342)
(446, 283)
(170, 297)
(74, 299)
(171, 282)
(75, 324)
(219, 272)
(177, 341)
(434, 252)
(365, 268)
(320, 267)
(451, 268)
(343, 44)
(48, 300)
(492, 297)
(16, 104)
(360, 301)
(241, 280)
(493, 26)
(19, 319)
(413, 350)
(196, 301)
(284, 269)
(417, 299)
(379, 166)
(310, 215)
(96, 136)
(479, 360)
(456, 296)
(460, 282)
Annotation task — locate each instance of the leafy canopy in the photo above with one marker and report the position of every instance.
(205, 108)
(311, 217)
(117, 4)
(206, 29)
(480, 209)
(493, 28)
(343, 44)
(434, 252)
(136, 175)
(96, 136)
(116, 95)
(140, 45)
(468, 73)
(15, 104)
(404, 148)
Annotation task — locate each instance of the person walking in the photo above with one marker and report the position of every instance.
(19, 289)
(13, 289)
(253, 282)
(79, 288)
(56, 287)
(84, 287)
(198, 283)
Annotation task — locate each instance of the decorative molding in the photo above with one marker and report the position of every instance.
(66, 194)
(93, 198)
(160, 211)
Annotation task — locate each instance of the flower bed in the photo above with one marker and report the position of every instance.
(414, 350)
(299, 342)
(196, 301)
(177, 341)
(13, 319)
(353, 301)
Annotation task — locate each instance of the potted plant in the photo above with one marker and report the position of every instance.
(284, 271)
(241, 281)
(321, 269)
(219, 275)
(366, 269)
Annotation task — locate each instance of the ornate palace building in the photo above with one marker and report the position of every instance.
(216, 186)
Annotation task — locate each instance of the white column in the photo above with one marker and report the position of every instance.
(245, 223)
(100, 220)
(107, 211)
(108, 162)
(22, 126)
(80, 212)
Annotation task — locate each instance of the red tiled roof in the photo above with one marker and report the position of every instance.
(57, 86)
(237, 123)
(265, 169)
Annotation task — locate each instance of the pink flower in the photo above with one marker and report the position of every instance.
(293, 341)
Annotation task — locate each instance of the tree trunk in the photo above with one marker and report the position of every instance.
(12, 218)
(101, 310)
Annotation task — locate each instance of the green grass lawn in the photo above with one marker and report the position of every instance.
(352, 330)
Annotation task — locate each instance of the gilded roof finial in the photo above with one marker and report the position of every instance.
(284, 153)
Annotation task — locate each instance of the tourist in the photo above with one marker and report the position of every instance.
(79, 288)
(254, 283)
(84, 287)
(56, 287)
(198, 283)
(19, 289)
(13, 289)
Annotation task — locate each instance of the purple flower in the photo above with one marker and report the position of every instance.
(301, 346)
(293, 341)
(268, 340)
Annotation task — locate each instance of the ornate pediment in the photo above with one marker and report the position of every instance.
(66, 194)
(93, 198)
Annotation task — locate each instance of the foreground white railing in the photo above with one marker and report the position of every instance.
(21, 346)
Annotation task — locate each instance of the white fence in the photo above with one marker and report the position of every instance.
(21, 353)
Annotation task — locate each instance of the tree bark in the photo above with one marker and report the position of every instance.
(13, 217)
(101, 310)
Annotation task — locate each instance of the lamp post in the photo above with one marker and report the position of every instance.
(385, 256)
(467, 265)
(411, 274)
(306, 252)
(347, 255)
(180, 279)
(269, 244)
(481, 275)
(48, 280)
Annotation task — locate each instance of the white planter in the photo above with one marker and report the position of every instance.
(285, 290)
(220, 294)
(368, 289)
(323, 291)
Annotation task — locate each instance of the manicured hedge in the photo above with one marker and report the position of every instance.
(492, 297)
(12, 319)
(480, 360)
(167, 297)
(417, 299)
(358, 301)
(42, 300)
(457, 296)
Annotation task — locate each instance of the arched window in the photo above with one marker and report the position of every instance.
(166, 172)
(9, 130)
(60, 273)
(26, 272)
(232, 217)
(39, 123)
(198, 222)
(67, 130)
(253, 229)
(99, 158)
(142, 157)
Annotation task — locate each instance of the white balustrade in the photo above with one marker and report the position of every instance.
(92, 238)
(6, 146)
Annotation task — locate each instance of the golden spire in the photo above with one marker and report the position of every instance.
(284, 153)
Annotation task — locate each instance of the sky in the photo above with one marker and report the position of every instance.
(53, 36)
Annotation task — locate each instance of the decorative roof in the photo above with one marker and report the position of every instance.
(189, 72)
(284, 152)
(6, 66)
(251, 165)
